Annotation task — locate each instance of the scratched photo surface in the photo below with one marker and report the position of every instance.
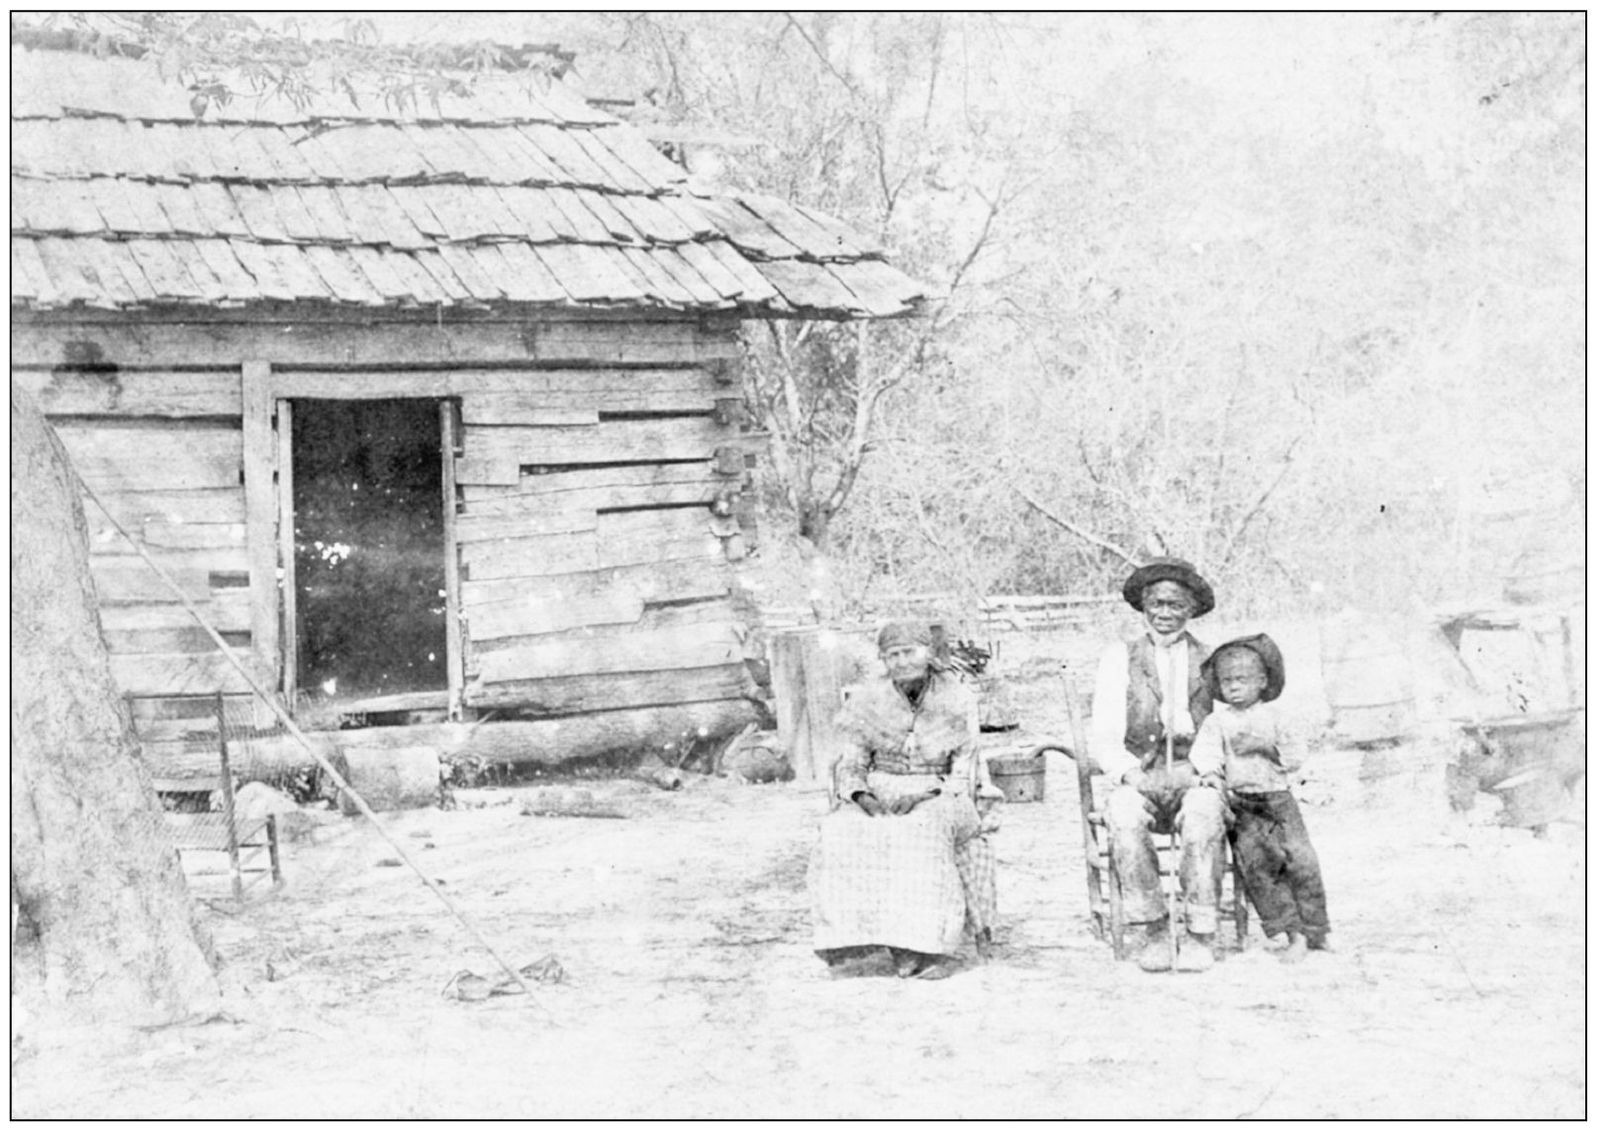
(798, 565)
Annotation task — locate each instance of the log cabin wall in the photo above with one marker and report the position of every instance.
(594, 571)
(568, 295)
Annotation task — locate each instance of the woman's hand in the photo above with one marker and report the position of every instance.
(905, 804)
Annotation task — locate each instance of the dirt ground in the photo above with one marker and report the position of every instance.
(1456, 987)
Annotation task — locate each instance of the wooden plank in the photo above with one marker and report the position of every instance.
(530, 556)
(176, 674)
(589, 480)
(201, 342)
(615, 221)
(337, 270)
(454, 574)
(654, 582)
(294, 215)
(535, 616)
(474, 527)
(586, 693)
(263, 269)
(808, 696)
(136, 510)
(614, 652)
(564, 152)
(237, 283)
(543, 605)
(587, 227)
(511, 501)
(794, 226)
(526, 410)
(129, 580)
(809, 286)
(474, 472)
(742, 227)
(228, 610)
(659, 281)
(530, 279)
(613, 441)
(148, 640)
(167, 535)
(173, 395)
(289, 661)
(153, 457)
(656, 535)
(262, 508)
(594, 390)
(524, 205)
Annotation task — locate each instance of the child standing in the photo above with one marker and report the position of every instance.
(1247, 752)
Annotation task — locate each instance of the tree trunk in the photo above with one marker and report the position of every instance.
(104, 928)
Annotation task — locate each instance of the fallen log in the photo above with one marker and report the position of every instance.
(549, 741)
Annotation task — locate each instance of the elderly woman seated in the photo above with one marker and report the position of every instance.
(902, 861)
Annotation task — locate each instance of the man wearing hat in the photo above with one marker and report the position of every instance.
(902, 862)
(1149, 701)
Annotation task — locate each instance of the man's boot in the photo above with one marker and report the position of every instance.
(1195, 952)
(1157, 953)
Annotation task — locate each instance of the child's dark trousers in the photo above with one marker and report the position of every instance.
(1278, 864)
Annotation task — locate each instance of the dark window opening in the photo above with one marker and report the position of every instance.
(370, 570)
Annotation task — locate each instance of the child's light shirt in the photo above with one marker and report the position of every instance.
(1251, 749)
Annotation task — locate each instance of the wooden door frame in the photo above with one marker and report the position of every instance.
(266, 420)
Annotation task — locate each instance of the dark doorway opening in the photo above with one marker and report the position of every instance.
(370, 571)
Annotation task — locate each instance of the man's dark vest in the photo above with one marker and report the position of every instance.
(1144, 735)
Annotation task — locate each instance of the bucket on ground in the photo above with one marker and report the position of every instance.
(1019, 774)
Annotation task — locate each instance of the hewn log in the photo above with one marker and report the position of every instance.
(530, 556)
(227, 610)
(171, 394)
(589, 692)
(200, 340)
(616, 487)
(130, 580)
(154, 457)
(548, 741)
(538, 616)
(178, 674)
(614, 441)
(476, 525)
(135, 509)
(704, 644)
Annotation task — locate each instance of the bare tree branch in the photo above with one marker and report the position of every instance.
(1077, 531)
(1286, 463)
(820, 54)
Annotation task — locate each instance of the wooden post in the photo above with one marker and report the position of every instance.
(226, 789)
(808, 694)
(262, 503)
(449, 518)
(287, 556)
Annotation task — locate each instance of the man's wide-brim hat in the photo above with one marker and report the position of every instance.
(1261, 646)
(1168, 568)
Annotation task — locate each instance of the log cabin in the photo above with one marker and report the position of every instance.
(435, 415)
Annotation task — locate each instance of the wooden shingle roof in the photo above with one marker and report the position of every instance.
(122, 198)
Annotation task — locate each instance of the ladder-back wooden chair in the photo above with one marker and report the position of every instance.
(250, 842)
(1105, 892)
